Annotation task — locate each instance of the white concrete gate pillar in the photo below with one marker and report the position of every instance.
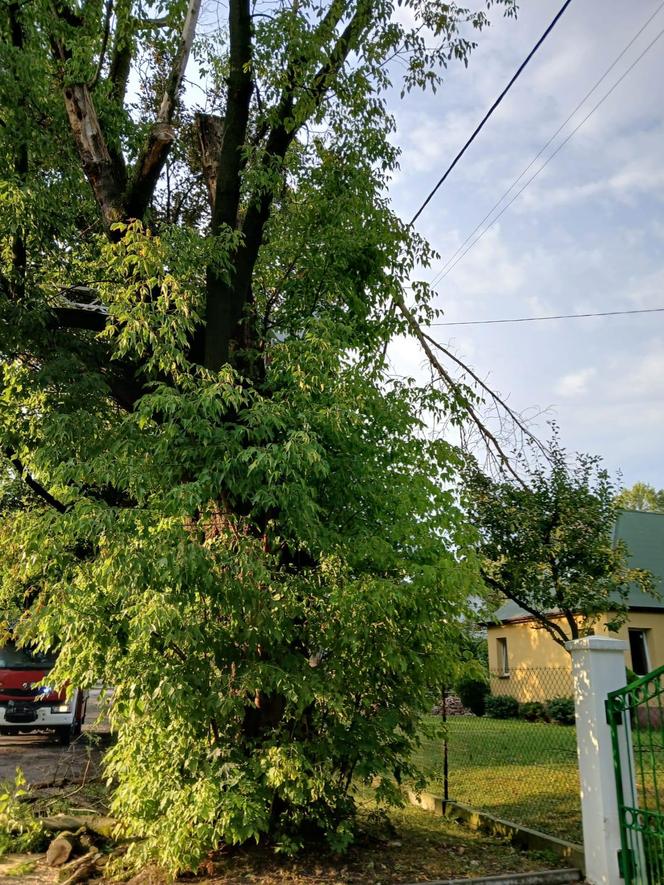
(598, 667)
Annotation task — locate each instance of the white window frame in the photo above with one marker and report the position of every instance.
(503, 657)
(644, 631)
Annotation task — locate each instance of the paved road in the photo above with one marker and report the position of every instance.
(43, 761)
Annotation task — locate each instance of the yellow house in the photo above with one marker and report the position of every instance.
(524, 661)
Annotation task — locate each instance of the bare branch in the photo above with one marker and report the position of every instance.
(497, 399)
(490, 439)
(120, 66)
(553, 629)
(180, 61)
(149, 24)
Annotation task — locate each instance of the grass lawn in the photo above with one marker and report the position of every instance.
(521, 771)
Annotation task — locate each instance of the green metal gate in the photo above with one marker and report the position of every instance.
(639, 768)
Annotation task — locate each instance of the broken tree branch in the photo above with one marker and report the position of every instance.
(489, 438)
(153, 156)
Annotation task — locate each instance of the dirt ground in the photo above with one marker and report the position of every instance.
(44, 761)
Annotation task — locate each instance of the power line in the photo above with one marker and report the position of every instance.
(560, 316)
(491, 109)
(615, 61)
(442, 275)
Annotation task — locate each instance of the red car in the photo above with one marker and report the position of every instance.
(26, 707)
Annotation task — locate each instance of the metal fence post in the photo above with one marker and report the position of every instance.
(598, 667)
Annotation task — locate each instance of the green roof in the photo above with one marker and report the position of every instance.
(643, 534)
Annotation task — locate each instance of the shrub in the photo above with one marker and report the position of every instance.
(532, 711)
(472, 694)
(561, 710)
(20, 830)
(502, 706)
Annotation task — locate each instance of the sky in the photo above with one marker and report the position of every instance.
(586, 235)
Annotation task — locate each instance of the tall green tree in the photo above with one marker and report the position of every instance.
(641, 496)
(547, 542)
(243, 528)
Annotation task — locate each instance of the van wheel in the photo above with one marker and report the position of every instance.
(64, 734)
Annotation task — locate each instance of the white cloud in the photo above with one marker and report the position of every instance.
(575, 384)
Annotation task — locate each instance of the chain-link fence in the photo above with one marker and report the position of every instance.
(518, 761)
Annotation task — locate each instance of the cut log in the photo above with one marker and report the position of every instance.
(97, 824)
(61, 849)
(85, 870)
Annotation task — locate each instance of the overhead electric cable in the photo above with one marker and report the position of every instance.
(491, 110)
(442, 275)
(550, 140)
(560, 316)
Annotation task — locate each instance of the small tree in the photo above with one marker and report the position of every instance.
(547, 543)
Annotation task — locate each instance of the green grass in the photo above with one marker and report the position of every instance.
(521, 771)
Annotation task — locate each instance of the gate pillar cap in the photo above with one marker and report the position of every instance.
(596, 643)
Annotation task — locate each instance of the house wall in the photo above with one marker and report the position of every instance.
(539, 668)
(653, 623)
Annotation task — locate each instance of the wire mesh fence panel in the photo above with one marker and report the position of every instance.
(518, 761)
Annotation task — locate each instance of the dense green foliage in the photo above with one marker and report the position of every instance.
(20, 830)
(561, 710)
(502, 706)
(641, 496)
(547, 543)
(235, 517)
(532, 711)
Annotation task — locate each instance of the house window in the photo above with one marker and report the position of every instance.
(503, 660)
(638, 646)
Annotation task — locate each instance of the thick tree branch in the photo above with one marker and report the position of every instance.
(240, 88)
(555, 630)
(105, 173)
(227, 301)
(153, 156)
(32, 483)
(210, 130)
(121, 54)
(105, 169)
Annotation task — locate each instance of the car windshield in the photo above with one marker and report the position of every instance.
(12, 658)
